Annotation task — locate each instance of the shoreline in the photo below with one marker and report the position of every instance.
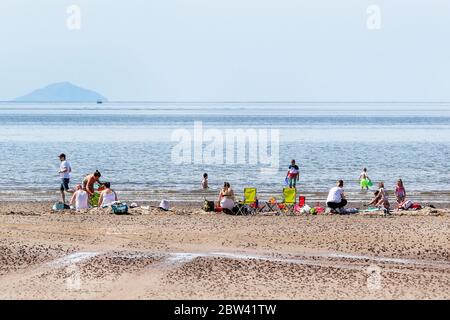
(439, 199)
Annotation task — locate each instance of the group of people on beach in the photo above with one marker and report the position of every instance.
(336, 199)
(84, 193)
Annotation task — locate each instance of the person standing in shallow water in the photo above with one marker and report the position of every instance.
(65, 169)
(293, 175)
(364, 180)
(205, 181)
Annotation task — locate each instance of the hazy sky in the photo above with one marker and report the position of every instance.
(229, 49)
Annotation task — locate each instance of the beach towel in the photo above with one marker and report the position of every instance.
(349, 210)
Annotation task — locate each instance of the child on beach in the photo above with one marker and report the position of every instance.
(364, 180)
(205, 181)
(400, 192)
(80, 198)
(293, 174)
(381, 199)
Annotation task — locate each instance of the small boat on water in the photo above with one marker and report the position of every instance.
(99, 101)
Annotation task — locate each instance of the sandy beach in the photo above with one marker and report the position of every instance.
(190, 254)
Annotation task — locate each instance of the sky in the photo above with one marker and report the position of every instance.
(230, 50)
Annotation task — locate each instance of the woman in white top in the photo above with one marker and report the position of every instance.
(108, 196)
(336, 198)
(226, 197)
(80, 199)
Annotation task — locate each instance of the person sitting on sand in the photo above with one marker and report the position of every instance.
(400, 193)
(90, 180)
(336, 197)
(107, 196)
(80, 198)
(376, 198)
(381, 199)
(226, 197)
(205, 181)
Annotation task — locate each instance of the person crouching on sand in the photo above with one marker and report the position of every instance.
(108, 196)
(336, 197)
(226, 197)
(90, 180)
(80, 199)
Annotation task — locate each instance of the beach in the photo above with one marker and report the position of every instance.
(187, 253)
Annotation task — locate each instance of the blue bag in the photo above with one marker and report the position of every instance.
(119, 208)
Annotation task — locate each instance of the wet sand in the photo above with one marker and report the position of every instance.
(189, 254)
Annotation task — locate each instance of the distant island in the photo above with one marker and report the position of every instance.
(62, 92)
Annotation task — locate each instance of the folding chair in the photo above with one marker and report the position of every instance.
(272, 205)
(247, 206)
(288, 204)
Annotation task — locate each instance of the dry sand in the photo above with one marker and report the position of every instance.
(189, 254)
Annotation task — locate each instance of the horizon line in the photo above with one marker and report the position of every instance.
(239, 101)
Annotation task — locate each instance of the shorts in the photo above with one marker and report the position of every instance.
(64, 184)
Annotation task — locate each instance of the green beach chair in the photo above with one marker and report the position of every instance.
(287, 206)
(247, 206)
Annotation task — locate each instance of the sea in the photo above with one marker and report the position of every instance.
(150, 151)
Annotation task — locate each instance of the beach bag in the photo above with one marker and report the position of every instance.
(93, 201)
(306, 209)
(349, 210)
(416, 206)
(119, 208)
(407, 204)
(208, 206)
(164, 205)
(320, 210)
(59, 206)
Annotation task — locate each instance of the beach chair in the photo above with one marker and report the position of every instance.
(248, 205)
(272, 205)
(288, 203)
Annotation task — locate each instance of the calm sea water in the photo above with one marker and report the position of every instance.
(131, 144)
